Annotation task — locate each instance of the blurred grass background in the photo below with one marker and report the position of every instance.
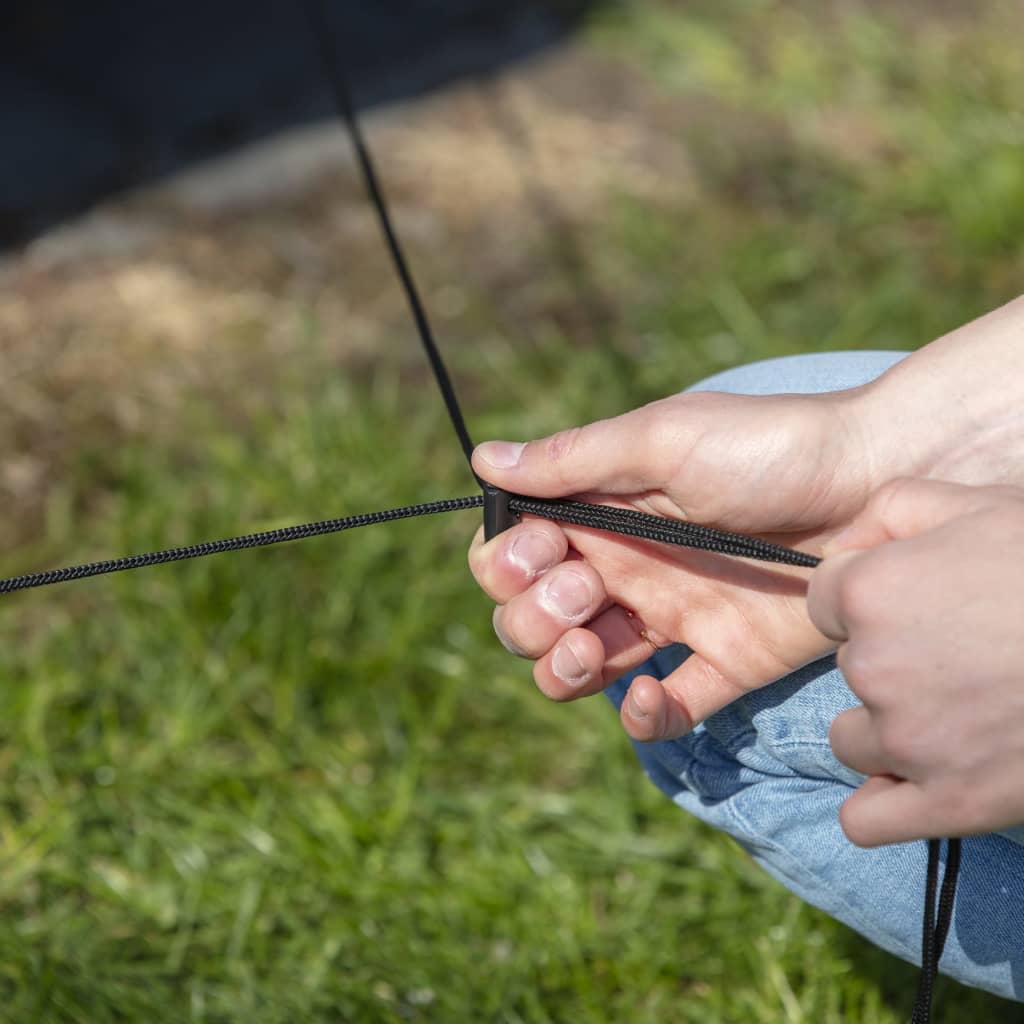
(305, 784)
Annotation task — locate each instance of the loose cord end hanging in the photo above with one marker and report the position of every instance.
(498, 516)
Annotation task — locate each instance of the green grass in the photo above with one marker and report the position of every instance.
(304, 784)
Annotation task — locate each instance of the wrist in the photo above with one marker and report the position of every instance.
(954, 410)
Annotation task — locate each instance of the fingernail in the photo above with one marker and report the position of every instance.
(501, 454)
(565, 663)
(635, 710)
(533, 552)
(568, 595)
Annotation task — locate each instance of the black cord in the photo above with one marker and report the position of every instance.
(926, 979)
(249, 540)
(598, 517)
(631, 523)
(947, 897)
(935, 925)
(330, 57)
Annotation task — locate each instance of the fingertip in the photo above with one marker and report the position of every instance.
(643, 710)
(505, 566)
(497, 457)
(572, 668)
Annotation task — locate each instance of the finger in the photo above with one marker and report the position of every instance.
(510, 563)
(855, 743)
(648, 715)
(833, 594)
(573, 668)
(632, 452)
(904, 508)
(566, 596)
(664, 710)
(585, 661)
(889, 810)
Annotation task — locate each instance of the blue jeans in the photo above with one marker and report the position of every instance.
(762, 770)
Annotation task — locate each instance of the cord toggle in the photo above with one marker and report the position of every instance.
(498, 515)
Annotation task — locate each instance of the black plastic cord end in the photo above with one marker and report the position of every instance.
(498, 517)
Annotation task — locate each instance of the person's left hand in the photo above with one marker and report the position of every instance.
(925, 593)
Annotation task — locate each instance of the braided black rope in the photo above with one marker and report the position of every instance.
(249, 540)
(947, 897)
(935, 925)
(631, 523)
(598, 517)
(926, 979)
(330, 58)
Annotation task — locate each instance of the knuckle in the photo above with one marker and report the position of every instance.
(563, 450)
(560, 449)
(891, 492)
(839, 733)
(560, 446)
(858, 668)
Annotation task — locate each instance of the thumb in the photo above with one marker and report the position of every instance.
(904, 508)
(632, 452)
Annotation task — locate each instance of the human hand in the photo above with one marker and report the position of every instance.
(925, 596)
(588, 605)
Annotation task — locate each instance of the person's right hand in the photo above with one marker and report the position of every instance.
(582, 603)
(923, 594)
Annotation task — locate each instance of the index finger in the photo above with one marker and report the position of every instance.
(508, 564)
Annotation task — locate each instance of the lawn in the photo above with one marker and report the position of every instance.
(305, 783)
